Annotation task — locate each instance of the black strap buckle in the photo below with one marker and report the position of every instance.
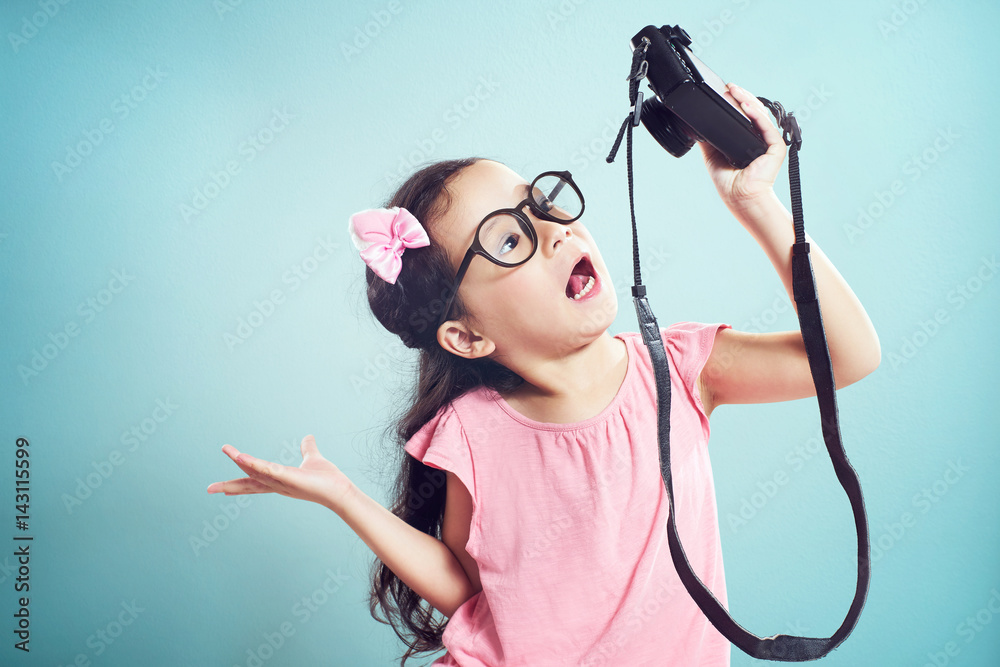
(786, 121)
(637, 108)
(792, 134)
(640, 73)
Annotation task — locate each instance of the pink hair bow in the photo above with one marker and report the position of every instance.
(382, 234)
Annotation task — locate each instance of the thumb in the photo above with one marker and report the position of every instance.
(308, 446)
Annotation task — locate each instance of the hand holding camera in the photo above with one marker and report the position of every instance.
(742, 147)
(741, 189)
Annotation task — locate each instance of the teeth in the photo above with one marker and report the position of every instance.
(586, 288)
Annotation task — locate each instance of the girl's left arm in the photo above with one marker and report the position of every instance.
(746, 367)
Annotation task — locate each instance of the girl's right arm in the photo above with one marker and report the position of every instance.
(424, 563)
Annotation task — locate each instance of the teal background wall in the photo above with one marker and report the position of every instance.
(169, 169)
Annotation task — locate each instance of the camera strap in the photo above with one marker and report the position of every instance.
(779, 647)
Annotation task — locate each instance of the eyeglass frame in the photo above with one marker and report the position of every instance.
(476, 248)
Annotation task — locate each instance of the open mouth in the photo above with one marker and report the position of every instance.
(582, 280)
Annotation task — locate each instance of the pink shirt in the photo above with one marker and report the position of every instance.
(569, 523)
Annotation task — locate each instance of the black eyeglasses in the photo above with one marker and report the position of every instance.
(507, 237)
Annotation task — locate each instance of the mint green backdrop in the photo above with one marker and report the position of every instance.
(176, 181)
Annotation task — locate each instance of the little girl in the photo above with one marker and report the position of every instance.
(543, 542)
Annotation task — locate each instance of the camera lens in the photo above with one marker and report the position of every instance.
(669, 131)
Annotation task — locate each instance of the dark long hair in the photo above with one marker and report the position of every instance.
(410, 309)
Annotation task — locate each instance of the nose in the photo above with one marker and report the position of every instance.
(551, 234)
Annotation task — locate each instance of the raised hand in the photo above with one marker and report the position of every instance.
(742, 188)
(316, 479)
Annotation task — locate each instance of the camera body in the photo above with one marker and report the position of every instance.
(689, 103)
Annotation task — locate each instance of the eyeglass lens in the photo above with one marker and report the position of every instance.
(503, 235)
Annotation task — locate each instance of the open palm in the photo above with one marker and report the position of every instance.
(316, 479)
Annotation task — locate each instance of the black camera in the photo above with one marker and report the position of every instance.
(689, 104)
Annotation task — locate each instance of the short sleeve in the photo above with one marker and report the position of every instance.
(689, 345)
(442, 443)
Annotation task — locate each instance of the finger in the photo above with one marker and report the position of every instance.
(742, 95)
(230, 451)
(235, 455)
(308, 446)
(760, 116)
(266, 472)
(239, 486)
(728, 94)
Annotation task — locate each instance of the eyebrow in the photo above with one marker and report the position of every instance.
(527, 195)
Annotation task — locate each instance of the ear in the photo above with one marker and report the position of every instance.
(456, 337)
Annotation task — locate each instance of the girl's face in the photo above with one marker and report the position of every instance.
(525, 309)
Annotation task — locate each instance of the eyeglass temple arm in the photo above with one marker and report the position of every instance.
(453, 290)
